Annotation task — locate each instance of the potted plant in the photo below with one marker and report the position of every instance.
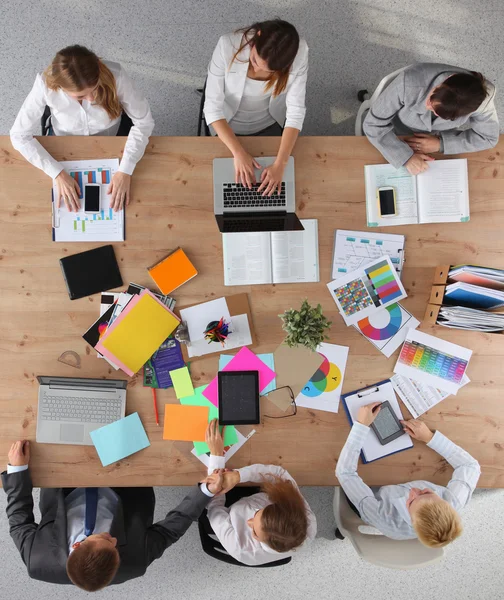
(305, 327)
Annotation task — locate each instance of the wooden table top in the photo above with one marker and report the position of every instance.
(172, 204)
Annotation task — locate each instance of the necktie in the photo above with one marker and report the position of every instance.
(91, 507)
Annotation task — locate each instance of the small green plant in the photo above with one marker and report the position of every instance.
(305, 327)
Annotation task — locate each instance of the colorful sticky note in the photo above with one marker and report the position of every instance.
(182, 383)
(245, 360)
(268, 359)
(120, 439)
(185, 423)
(230, 433)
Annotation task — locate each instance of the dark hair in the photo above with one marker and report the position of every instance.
(276, 42)
(459, 95)
(284, 522)
(91, 569)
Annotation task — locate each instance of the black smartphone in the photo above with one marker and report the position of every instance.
(387, 202)
(386, 425)
(92, 198)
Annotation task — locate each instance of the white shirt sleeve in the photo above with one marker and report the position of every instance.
(27, 124)
(205, 490)
(216, 462)
(16, 469)
(295, 97)
(466, 469)
(214, 91)
(137, 108)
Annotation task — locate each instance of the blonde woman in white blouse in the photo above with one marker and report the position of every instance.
(86, 96)
(264, 527)
(256, 85)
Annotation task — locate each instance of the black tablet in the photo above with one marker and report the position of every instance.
(238, 397)
(386, 425)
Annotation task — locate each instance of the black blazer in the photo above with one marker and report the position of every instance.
(43, 546)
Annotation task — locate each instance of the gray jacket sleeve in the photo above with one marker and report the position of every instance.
(164, 533)
(378, 124)
(22, 526)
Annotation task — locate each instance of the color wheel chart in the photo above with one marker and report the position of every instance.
(432, 361)
(388, 330)
(382, 284)
(326, 379)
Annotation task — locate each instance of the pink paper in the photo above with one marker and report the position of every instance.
(127, 309)
(245, 360)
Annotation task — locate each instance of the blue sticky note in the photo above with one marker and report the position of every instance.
(120, 439)
(268, 359)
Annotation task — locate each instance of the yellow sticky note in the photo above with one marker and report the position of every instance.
(182, 383)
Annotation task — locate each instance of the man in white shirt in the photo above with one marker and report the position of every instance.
(417, 509)
(93, 537)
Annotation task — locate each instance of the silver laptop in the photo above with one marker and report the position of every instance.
(69, 408)
(239, 209)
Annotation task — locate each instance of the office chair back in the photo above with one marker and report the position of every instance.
(366, 104)
(379, 549)
(214, 548)
(124, 126)
(202, 125)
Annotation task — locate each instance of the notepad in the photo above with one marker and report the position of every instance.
(172, 271)
(137, 333)
(120, 439)
(185, 423)
(182, 383)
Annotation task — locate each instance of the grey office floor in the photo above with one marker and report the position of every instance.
(165, 45)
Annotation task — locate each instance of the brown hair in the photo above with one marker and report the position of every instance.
(92, 569)
(284, 522)
(76, 68)
(276, 42)
(437, 524)
(459, 95)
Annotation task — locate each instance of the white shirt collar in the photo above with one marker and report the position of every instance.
(400, 505)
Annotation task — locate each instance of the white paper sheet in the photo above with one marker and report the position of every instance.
(240, 336)
(205, 458)
(198, 317)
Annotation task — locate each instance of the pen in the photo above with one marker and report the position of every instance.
(155, 405)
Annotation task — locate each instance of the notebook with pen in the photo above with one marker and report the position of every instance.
(379, 392)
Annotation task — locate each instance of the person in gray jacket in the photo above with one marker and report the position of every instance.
(440, 108)
(93, 537)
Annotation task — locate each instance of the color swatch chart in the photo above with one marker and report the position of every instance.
(96, 176)
(353, 297)
(432, 361)
(382, 284)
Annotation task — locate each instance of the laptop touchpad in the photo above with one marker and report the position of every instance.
(71, 432)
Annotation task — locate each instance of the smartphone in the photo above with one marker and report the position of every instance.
(387, 426)
(387, 201)
(92, 193)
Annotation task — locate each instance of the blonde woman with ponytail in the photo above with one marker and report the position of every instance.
(264, 527)
(86, 96)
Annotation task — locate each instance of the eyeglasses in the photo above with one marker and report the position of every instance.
(293, 402)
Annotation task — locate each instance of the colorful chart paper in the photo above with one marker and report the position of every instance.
(382, 283)
(119, 439)
(386, 329)
(182, 383)
(185, 423)
(268, 359)
(323, 390)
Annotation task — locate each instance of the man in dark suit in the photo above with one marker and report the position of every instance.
(93, 537)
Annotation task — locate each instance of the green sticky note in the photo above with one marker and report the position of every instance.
(182, 383)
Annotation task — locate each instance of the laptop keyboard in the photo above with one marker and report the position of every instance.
(80, 410)
(238, 196)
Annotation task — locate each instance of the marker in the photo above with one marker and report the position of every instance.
(155, 405)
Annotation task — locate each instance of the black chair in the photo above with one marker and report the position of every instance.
(45, 121)
(124, 126)
(201, 117)
(214, 548)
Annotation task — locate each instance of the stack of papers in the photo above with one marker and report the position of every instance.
(473, 296)
(460, 317)
(484, 276)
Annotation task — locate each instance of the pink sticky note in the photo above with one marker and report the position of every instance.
(245, 360)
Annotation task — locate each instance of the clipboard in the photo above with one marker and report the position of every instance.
(397, 445)
(238, 304)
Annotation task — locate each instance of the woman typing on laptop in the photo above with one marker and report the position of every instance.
(86, 96)
(256, 85)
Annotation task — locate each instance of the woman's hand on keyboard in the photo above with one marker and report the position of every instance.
(271, 179)
(244, 168)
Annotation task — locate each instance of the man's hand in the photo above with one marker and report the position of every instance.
(418, 163)
(423, 142)
(418, 430)
(19, 454)
(230, 480)
(214, 439)
(214, 481)
(367, 414)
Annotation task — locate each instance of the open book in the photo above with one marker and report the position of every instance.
(439, 195)
(272, 257)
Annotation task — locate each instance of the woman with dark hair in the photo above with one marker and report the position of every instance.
(439, 108)
(256, 85)
(86, 96)
(264, 527)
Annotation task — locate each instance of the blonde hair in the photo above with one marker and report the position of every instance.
(76, 68)
(437, 524)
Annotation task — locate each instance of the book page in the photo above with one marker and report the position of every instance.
(247, 258)
(443, 192)
(295, 254)
(377, 176)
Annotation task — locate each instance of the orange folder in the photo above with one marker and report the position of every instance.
(172, 271)
(185, 423)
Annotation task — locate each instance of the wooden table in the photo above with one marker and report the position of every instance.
(173, 205)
